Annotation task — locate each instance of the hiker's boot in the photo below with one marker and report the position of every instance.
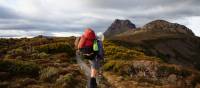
(93, 83)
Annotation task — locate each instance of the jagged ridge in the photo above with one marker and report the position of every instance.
(119, 26)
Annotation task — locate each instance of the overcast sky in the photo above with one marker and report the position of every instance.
(27, 18)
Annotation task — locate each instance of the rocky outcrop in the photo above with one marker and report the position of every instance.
(151, 74)
(119, 26)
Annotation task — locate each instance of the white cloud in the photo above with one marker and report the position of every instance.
(66, 34)
(192, 23)
(19, 33)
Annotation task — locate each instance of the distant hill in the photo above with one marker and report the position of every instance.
(159, 54)
(173, 42)
(43, 36)
(167, 27)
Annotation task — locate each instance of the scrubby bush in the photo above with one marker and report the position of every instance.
(120, 67)
(109, 65)
(49, 74)
(63, 57)
(17, 52)
(112, 51)
(167, 70)
(56, 48)
(41, 55)
(20, 68)
(68, 78)
(117, 52)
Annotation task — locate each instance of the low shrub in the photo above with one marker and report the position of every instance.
(108, 66)
(17, 52)
(120, 67)
(41, 55)
(167, 70)
(49, 74)
(56, 48)
(19, 68)
(68, 78)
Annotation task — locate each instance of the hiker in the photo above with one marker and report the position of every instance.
(90, 48)
(100, 55)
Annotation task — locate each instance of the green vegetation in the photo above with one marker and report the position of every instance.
(113, 51)
(35, 48)
(129, 62)
(48, 61)
(167, 70)
(120, 58)
(19, 68)
(39, 61)
(68, 78)
(56, 48)
(41, 55)
(120, 67)
(48, 74)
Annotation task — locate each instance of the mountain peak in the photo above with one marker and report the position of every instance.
(119, 26)
(165, 26)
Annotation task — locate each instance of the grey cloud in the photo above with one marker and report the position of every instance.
(173, 7)
(7, 13)
(138, 11)
(125, 4)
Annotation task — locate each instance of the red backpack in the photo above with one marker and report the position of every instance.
(87, 39)
(85, 44)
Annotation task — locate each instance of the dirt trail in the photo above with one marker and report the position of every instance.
(83, 65)
(86, 69)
